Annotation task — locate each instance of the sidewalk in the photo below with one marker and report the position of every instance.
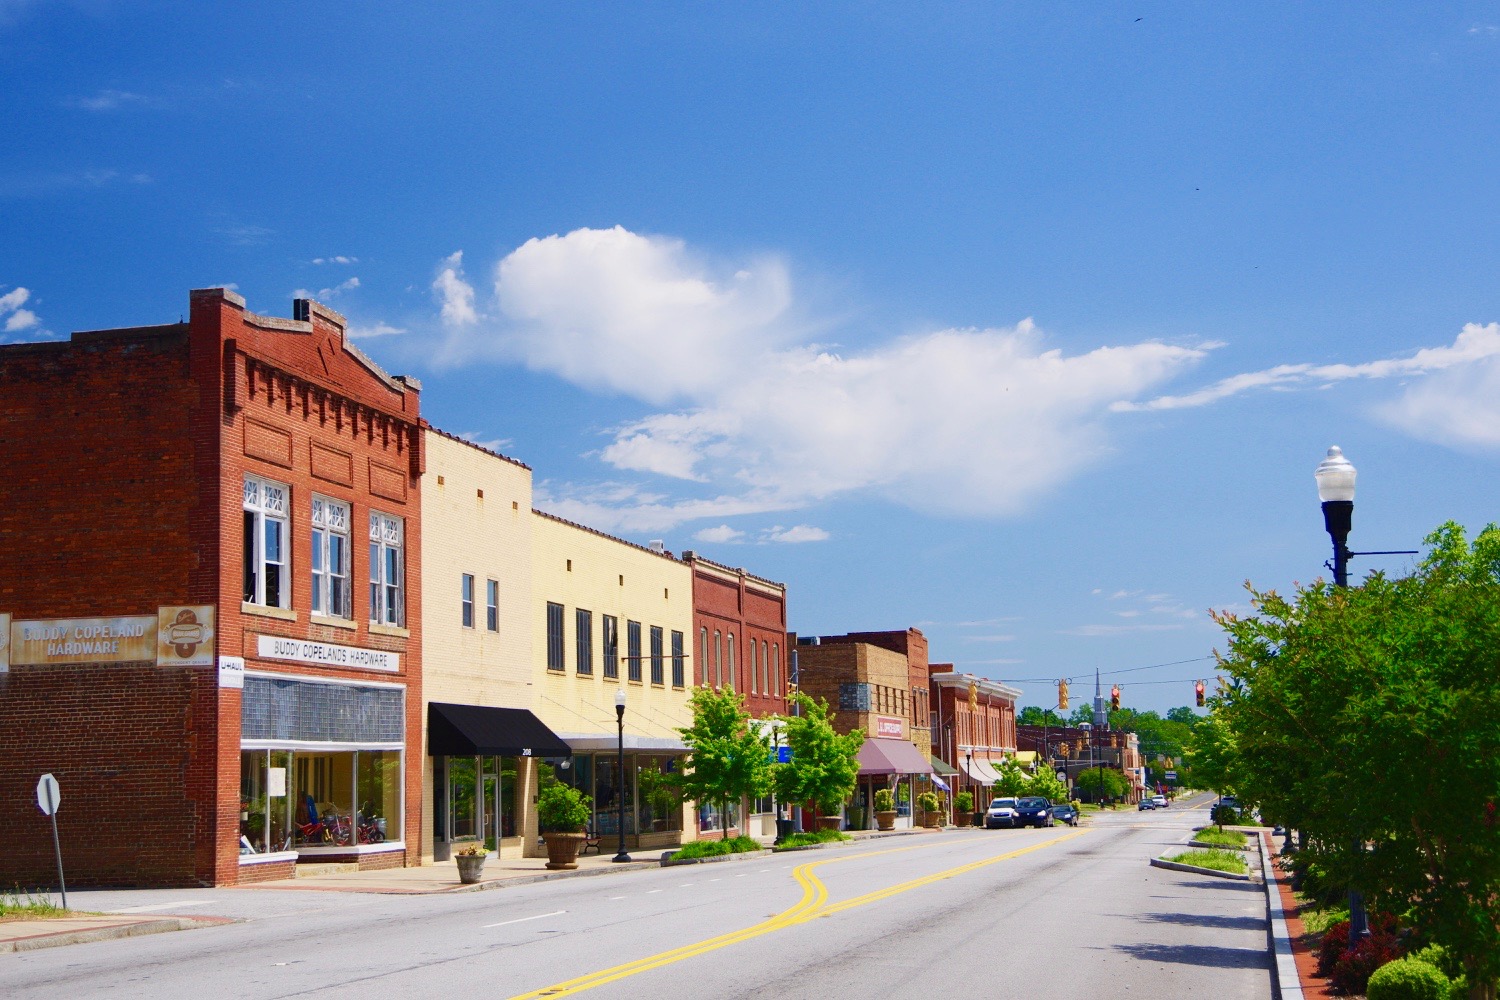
(1296, 966)
(442, 877)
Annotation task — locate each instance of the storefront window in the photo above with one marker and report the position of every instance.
(659, 805)
(379, 787)
(710, 818)
(324, 797)
(607, 796)
(463, 798)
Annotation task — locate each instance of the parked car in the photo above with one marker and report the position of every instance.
(1230, 801)
(1002, 812)
(1145, 805)
(1065, 812)
(1159, 801)
(1033, 810)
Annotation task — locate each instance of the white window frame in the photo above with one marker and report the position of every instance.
(466, 601)
(492, 605)
(267, 502)
(330, 520)
(387, 569)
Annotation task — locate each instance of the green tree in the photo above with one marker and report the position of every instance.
(1370, 715)
(728, 758)
(1184, 715)
(1031, 715)
(824, 767)
(1102, 783)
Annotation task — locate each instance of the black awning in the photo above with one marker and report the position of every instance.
(480, 731)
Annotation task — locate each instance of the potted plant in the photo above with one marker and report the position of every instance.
(470, 860)
(885, 809)
(564, 814)
(930, 804)
(963, 805)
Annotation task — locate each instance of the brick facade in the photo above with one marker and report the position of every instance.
(912, 645)
(127, 452)
(736, 611)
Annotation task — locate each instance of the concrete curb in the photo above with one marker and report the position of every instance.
(501, 883)
(1195, 870)
(1288, 985)
(668, 862)
(134, 928)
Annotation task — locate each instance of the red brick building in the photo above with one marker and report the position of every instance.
(210, 608)
(740, 623)
(975, 719)
(912, 644)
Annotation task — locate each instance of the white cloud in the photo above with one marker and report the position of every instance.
(109, 100)
(328, 294)
(336, 260)
(21, 319)
(621, 508)
(15, 317)
(982, 422)
(378, 329)
(794, 535)
(722, 535)
(454, 293)
(1473, 344)
(1459, 408)
(497, 445)
(37, 185)
(989, 638)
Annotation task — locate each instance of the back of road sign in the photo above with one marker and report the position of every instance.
(48, 795)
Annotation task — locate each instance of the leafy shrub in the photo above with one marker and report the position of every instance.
(714, 848)
(1335, 944)
(884, 800)
(964, 801)
(811, 837)
(1225, 815)
(562, 808)
(1407, 979)
(928, 801)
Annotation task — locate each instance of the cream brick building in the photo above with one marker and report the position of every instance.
(614, 616)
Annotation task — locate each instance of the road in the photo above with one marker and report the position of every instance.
(1017, 913)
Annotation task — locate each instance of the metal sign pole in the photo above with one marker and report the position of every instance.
(57, 851)
(48, 798)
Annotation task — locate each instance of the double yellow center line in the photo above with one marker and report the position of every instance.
(813, 904)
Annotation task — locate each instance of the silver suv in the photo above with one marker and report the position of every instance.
(1002, 812)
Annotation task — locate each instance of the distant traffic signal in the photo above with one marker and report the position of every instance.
(1114, 698)
(1062, 696)
(1198, 690)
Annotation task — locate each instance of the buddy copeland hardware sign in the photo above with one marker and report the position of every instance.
(175, 636)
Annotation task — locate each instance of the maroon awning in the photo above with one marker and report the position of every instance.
(892, 757)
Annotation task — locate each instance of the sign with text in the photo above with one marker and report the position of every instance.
(887, 727)
(231, 671)
(277, 647)
(84, 640)
(185, 636)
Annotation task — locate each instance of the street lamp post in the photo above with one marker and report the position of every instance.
(969, 777)
(1088, 734)
(620, 791)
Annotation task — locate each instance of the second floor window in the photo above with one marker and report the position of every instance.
(386, 597)
(611, 646)
(492, 605)
(330, 559)
(554, 636)
(677, 660)
(466, 600)
(266, 556)
(633, 650)
(658, 676)
(585, 638)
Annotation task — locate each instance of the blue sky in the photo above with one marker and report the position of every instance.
(1020, 324)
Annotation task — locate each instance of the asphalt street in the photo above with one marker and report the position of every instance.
(1034, 913)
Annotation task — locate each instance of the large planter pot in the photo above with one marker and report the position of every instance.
(830, 822)
(933, 820)
(960, 819)
(470, 866)
(885, 819)
(562, 850)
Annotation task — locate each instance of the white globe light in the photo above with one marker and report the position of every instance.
(1335, 476)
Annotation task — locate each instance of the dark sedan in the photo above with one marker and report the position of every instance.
(1033, 810)
(1065, 812)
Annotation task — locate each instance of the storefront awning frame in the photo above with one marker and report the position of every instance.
(485, 731)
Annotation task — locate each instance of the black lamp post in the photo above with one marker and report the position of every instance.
(620, 790)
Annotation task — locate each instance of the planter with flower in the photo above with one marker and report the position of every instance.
(963, 807)
(470, 859)
(564, 814)
(885, 809)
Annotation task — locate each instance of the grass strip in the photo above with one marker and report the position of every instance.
(1215, 859)
(1219, 838)
(714, 848)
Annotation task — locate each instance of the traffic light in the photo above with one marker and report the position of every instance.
(1114, 698)
(1198, 690)
(1062, 696)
